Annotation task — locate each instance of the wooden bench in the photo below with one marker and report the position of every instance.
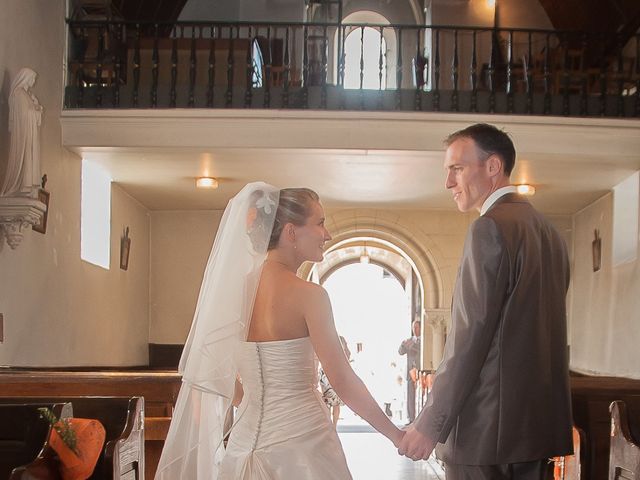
(570, 467)
(591, 397)
(24, 435)
(123, 420)
(624, 453)
(159, 389)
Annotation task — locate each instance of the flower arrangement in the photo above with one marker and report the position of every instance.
(78, 443)
(62, 427)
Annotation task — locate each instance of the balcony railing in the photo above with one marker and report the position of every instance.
(350, 66)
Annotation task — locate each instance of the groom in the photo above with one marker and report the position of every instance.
(500, 404)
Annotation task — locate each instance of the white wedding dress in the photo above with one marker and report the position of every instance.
(283, 430)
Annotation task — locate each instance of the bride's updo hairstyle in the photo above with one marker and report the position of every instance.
(293, 207)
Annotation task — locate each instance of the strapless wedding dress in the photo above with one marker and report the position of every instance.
(283, 430)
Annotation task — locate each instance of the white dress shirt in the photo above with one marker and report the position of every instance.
(491, 199)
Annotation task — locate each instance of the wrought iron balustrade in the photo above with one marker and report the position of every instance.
(115, 64)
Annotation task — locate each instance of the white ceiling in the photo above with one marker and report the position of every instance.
(571, 164)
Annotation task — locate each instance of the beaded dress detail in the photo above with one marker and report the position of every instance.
(283, 430)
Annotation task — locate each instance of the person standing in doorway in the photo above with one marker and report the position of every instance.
(500, 405)
(411, 348)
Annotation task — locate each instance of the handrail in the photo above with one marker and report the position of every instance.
(241, 64)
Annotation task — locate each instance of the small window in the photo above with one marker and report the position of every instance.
(95, 215)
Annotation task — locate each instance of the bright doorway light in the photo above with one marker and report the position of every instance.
(372, 311)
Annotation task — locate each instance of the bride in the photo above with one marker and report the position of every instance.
(257, 334)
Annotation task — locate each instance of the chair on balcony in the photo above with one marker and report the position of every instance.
(564, 69)
(97, 49)
(569, 72)
(619, 77)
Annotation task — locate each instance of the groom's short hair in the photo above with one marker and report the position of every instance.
(491, 140)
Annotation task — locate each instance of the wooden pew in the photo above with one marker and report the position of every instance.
(570, 467)
(591, 397)
(123, 420)
(24, 434)
(624, 453)
(159, 389)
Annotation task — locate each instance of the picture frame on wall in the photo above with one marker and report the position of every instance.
(125, 248)
(596, 250)
(44, 197)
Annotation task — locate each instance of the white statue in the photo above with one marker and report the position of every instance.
(22, 177)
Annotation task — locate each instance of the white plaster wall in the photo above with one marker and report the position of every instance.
(180, 245)
(58, 310)
(604, 330)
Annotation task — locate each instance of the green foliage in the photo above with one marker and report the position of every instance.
(62, 426)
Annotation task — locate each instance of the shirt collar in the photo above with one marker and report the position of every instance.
(491, 199)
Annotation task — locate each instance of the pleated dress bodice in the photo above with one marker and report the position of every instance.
(282, 428)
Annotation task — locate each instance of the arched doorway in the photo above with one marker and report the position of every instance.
(365, 59)
(376, 294)
(369, 45)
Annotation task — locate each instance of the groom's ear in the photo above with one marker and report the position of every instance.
(494, 165)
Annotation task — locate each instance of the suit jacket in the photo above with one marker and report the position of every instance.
(501, 394)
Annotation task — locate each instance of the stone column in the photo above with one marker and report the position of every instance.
(438, 322)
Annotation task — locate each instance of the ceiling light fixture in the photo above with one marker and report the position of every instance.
(206, 182)
(526, 189)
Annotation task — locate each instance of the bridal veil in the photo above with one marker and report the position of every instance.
(193, 448)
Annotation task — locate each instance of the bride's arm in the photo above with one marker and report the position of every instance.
(345, 382)
(238, 392)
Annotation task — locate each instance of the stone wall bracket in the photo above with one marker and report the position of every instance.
(16, 214)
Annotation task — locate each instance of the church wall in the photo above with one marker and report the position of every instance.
(59, 310)
(180, 245)
(244, 10)
(604, 330)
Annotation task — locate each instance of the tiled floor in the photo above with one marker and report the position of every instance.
(372, 457)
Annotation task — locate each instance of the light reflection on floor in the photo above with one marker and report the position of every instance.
(372, 457)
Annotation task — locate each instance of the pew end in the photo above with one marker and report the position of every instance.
(24, 438)
(571, 467)
(624, 452)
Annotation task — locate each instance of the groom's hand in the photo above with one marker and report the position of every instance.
(415, 445)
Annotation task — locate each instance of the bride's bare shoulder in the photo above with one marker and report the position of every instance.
(310, 292)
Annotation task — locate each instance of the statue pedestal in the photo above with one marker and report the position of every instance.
(16, 214)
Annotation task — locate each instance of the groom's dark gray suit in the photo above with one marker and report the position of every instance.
(501, 394)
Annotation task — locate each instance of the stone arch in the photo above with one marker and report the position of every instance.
(407, 239)
(417, 247)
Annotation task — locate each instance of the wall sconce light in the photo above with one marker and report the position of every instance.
(526, 189)
(206, 182)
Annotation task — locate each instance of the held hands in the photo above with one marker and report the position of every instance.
(415, 445)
